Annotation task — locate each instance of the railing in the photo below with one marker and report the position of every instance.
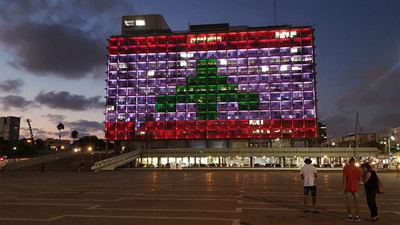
(259, 152)
(15, 165)
(112, 163)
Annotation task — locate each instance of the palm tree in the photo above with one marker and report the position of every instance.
(60, 127)
(74, 134)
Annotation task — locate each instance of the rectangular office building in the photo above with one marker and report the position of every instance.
(212, 82)
(9, 128)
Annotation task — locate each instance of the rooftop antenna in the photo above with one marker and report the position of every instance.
(275, 11)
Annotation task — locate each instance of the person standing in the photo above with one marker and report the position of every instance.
(308, 175)
(370, 180)
(351, 176)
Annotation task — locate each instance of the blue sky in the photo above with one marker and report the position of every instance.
(52, 56)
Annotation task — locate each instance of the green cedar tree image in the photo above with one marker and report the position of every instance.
(206, 90)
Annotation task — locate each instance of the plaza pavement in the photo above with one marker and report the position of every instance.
(191, 197)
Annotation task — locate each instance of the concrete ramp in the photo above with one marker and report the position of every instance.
(20, 164)
(114, 162)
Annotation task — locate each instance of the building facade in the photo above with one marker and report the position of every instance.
(9, 128)
(55, 144)
(214, 85)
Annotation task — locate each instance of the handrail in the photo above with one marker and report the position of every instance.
(114, 160)
(361, 151)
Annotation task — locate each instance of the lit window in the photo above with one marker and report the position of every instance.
(294, 50)
(140, 23)
(150, 73)
(183, 63)
(284, 68)
(223, 62)
(186, 55)
(296, 68)
(264, 69)
(296, 58)
(129, 23)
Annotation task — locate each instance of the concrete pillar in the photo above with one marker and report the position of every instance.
(107, 145)
(251, 161)
(159, 161)
(117, 147)
(284, 161)
(318, 161)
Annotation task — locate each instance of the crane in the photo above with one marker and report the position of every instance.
(30, 130)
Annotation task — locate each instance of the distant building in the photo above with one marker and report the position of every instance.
(381, 137)
(389, 137)
(322, 137)
(54, 144)
(9, 128)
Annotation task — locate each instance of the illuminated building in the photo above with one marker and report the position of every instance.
(216, 82)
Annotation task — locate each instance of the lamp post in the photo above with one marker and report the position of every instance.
(389, 139)
(147, 138)
(91, 153)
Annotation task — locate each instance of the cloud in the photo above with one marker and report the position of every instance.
(97, 17)
(11, 85)
(385, 121)
(372, 87)
(16, 102)
(37, 133)
(339, 125)
(55, 118)
(359, 97)
(85, 126)
(65, 100)
(53, 50)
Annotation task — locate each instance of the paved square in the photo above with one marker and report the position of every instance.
(180, 197)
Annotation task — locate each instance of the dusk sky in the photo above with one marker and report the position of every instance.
(53, 55)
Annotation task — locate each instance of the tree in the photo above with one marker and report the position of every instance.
(60, 127)
(91, 141)
(74, 135)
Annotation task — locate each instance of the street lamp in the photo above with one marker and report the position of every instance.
(389, 139)
(91, 153)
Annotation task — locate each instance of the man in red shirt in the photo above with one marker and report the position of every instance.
(351, 176)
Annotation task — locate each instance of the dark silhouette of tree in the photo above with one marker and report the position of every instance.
(74, 135)
(60, 127)
(91, 141)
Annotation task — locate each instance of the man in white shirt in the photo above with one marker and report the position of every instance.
(308, 175)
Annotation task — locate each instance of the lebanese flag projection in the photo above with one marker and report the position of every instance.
(190, 94)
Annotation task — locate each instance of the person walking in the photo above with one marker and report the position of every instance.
(42, 167)
(351, 176)
(370, 180)
(308, 175)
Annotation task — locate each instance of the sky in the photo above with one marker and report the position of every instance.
(53, 56)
